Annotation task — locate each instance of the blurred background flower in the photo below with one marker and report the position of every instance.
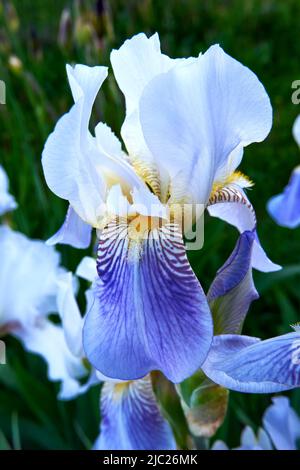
(35, 45)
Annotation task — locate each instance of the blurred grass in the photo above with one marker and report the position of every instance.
(262, 34)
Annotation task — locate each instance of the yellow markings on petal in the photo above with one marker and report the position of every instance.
(296, 326)
(141, 225)
(121, 388)
(237, 178)
(148, 173)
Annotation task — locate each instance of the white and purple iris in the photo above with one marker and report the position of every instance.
(187, 123)
(285, 207)
(281, 430)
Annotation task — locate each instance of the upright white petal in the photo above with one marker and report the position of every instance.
(70, 153)
(135, 64)
(79, 167)
(195, 116)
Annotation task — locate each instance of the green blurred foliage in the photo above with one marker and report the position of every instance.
(36, 41)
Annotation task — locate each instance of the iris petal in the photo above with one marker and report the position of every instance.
(232, 205)
(135, 64)
(285, 208)
(282, 424)
(48, 341)
(196, 115)
(131, 419)
(233, 290)
(28, 278)
(247, 364)
(150, 311)
(74, 232)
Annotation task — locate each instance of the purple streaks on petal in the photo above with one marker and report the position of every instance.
(131, 419)
(257, 367)
(233, 290)
(150, 311)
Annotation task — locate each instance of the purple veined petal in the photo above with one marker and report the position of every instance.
(233, 290)
(249, 365)
(150, 311)
(282, 423)
(74, 232)
(232, 205)
(285, 207)
(131, 419)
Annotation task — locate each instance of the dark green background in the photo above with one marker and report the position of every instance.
(264, 35)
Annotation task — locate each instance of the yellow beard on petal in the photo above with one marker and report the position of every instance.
(120, 388)
(148, 173)
(237, 177)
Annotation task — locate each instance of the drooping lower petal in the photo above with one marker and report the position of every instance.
(233, 290)
(131, 419)
(285, 207)
(249, 365)
(74, 232)
(150, 311)
(282, 424)
(232, 205)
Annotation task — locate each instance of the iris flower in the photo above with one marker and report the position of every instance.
(28, 280)
(243, 363)
(30, 276)
(281, 429)
(187, 123)
(285, 207)
(130, 415)
(7, 201)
